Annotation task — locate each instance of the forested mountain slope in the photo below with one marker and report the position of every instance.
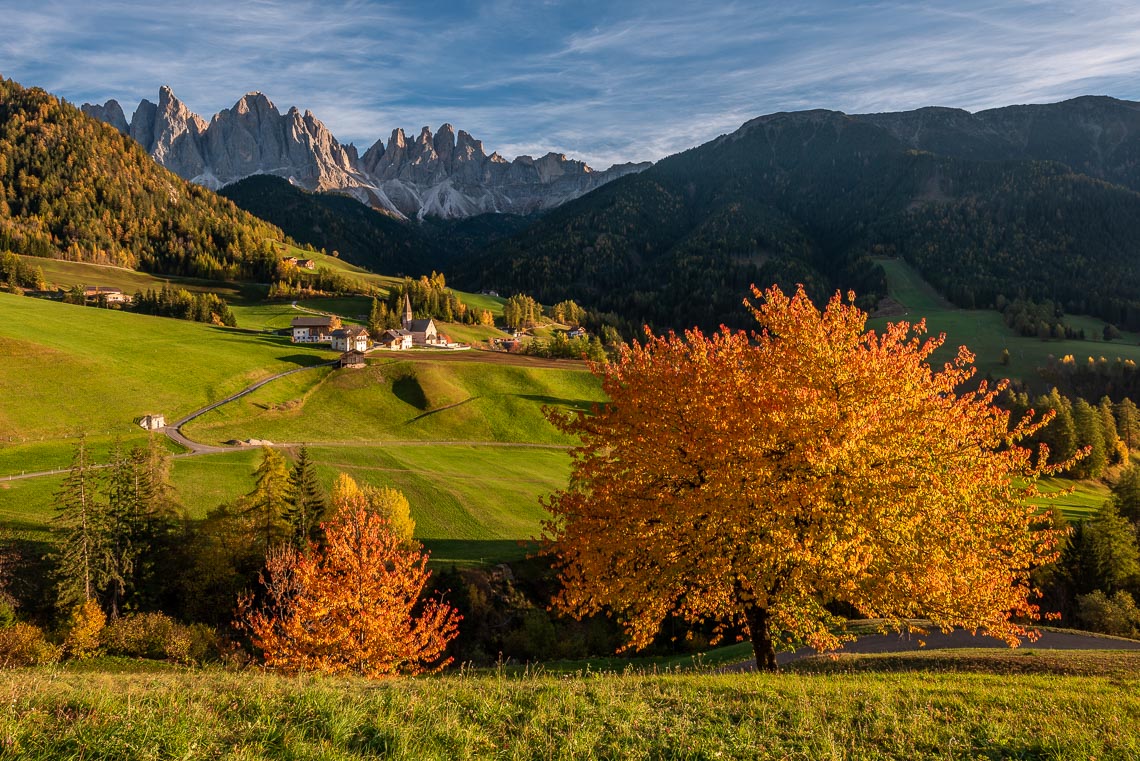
(981, 209)
(72, 187)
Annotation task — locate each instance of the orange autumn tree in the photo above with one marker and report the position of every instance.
(755, 480)
(351, 606)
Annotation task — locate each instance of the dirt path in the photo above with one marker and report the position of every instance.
(958, 639)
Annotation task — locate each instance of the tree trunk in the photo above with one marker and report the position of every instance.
(762, 644)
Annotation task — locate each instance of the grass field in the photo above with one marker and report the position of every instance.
(68, 369)
(471, 504)
(407, 396)
(62, 274)
(125, 710)
(986, 335)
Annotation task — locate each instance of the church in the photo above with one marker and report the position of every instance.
(424, 332)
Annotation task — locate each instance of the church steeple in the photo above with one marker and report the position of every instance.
(407, 311)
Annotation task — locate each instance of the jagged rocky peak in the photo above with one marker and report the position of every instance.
(446, 174)
(110, 112)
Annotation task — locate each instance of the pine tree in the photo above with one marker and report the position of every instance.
(1127, 422)
(121, 548)
(1087, 424)
(307, 502)
(80, 516)
(1114, 447)
(267, 506)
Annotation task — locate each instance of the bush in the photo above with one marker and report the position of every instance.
(1117, 615)
(158, 636)
(7, 614)
(83, 631)
(25, 645)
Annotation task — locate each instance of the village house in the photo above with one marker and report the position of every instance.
(317, 329)
(578, 332)
(353, 338)
(396, 339)
(308, 264)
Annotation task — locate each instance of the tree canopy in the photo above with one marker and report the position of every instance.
(761, 479)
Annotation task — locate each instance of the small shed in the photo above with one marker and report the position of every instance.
(352, 359)
(152, 422)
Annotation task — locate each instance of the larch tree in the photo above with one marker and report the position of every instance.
(352, 606)
(758, 480)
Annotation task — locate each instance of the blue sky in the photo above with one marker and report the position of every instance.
(603, 81)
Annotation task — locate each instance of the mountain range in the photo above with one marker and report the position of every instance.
(1024, 201)
(447, 174)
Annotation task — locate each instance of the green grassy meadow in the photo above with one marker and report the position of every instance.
(985, 334)
(403, 396)
(114, 709)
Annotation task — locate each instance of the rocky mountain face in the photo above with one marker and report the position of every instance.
(447, 175)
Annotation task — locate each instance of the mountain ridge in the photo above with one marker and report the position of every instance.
(447, 174)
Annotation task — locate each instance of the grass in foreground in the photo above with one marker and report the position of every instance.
(93, 712)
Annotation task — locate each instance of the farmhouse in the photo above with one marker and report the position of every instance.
(317, 329)
(354, 338)
(396, 339)
(95, 293)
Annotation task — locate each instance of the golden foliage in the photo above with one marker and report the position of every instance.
(388, 503)
(25, 645)
(352, 607)
(758, 479)
(83, 630)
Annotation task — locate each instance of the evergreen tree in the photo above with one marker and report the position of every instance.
(1060, 435)
(1112, 548)
(80, 516)
(1114, 447)
(1126, 494)
(267, 506)
(1127, 423)
(121, 548)
(307, 502)
(1088, 427)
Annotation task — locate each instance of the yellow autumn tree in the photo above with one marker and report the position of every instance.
(351, 606)
(757, 479)
(390, 504)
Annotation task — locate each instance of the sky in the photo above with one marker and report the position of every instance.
(606, 82)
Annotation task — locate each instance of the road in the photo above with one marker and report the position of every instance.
(955, 640)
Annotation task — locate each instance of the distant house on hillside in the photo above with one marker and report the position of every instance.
(308, 264)
(152, 422)
(424, 332)
(354, 338)
(317, 329)
(396, 339)
(351, 359)
(96, 293)
(578, 332)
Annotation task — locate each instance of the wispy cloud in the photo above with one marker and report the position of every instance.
(600, 81)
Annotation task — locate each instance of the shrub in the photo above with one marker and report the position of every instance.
(1117, 615)
(158, 636)
(24, 645)
(7, 614)
(83, 629)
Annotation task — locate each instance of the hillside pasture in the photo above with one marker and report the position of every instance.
(984, 332)
(410, 396)
(68, 369)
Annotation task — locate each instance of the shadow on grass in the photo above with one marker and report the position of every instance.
(477, 551)
(408, 390)
(554, 401)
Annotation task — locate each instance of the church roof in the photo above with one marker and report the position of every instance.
(420, 326)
